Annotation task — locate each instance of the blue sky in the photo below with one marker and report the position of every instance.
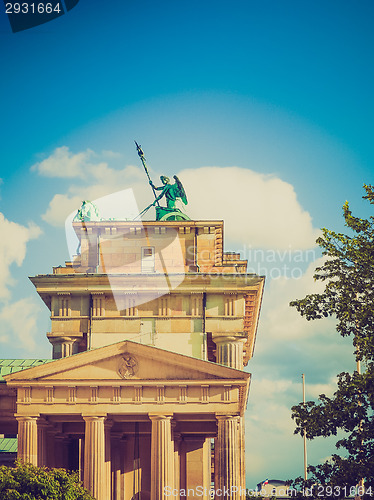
(273, 95)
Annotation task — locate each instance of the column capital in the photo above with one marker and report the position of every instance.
(25, 418)
(160, 416)
(93, 418)
(222, 337)
(63, 338)
(225, 416)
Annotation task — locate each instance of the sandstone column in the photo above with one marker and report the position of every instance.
(118, 450)
(27, 439)
(107, 485)
(229, 350)
(242, 456)
(162, 457)
(61, 458)
(51, 451)
(94, 456)
(207, 463)
(177, 438)
(42, 426)
(197, 464)
(228, 474)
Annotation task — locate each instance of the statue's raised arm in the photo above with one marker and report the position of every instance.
(171, 191)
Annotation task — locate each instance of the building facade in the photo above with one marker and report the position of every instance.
(152, 324)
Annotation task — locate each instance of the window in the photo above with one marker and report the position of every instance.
(148, 260)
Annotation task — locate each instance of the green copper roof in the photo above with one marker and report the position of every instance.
(15, 365)
(8, 445)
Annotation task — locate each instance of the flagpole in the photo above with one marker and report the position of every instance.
(361, 480)
(305, 457)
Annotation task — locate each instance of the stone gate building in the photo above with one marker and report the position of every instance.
(152, 324)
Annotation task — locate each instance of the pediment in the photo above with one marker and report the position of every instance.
(125, 361)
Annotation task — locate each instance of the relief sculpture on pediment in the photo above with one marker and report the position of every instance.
(128, 366)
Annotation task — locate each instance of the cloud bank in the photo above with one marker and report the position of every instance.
(259, 210)
(91, 178)
(17, 319)
(64, 164)
(13, 241)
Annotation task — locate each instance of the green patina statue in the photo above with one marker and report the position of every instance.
(171, 192)
(87, 212)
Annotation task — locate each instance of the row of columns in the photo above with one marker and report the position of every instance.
(165, 457)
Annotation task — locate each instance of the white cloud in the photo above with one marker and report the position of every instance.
(60, 207)
(270, 440)
(279, 320)
(93, 178)
(270, 396)
(268, 427)
(105, 184)
(19, 320)
(84, 164)
(259, 210)
(13, 241)
(314, 390)
(285, 334)
(286, 346)
(63, 163)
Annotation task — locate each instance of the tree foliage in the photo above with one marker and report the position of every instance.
(28, 482)
(348, 274)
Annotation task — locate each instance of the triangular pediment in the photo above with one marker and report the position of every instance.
(126, 361)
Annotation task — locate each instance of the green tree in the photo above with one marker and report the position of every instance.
(28, 482)
(348, 274)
